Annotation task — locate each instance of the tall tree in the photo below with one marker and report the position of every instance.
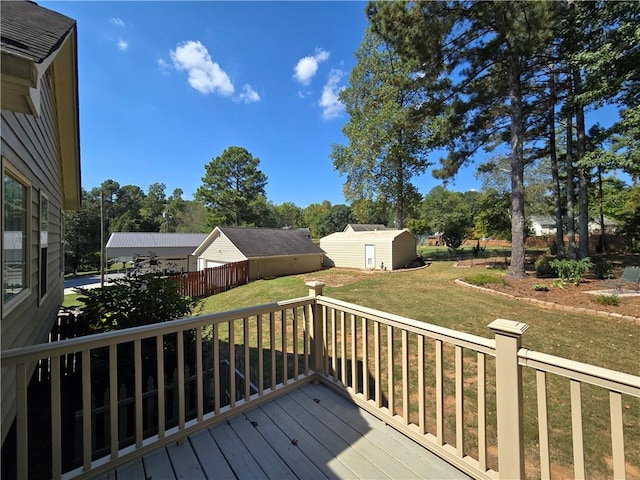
(477, 60)
(153, 207)
(387, 145)
(231, 185)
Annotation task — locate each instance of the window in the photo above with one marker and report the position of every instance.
(44, 243)
(15, 234)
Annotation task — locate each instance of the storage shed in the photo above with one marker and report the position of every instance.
(271, 252)
(382, 249)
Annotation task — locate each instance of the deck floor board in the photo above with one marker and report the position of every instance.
(308, 433)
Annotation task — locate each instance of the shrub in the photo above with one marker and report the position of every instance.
(540, 287)
(571, 271)
(603, 270)
(477, 250)
(135, 301)
(544, 268)
(607, 299)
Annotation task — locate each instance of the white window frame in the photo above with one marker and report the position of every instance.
(8, 169)
(43, 244)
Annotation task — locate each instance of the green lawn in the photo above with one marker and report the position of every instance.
(430, 295)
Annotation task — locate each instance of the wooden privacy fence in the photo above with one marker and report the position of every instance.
(210, 281)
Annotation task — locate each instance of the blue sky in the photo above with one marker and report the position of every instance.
(167, 86)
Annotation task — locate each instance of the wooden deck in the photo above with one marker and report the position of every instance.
(311, 432)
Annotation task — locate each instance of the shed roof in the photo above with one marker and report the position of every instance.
(366, 227)
(388, 234)
(264, 242)
(32, 31)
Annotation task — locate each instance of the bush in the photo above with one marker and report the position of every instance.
(543, 266)
(571, 271)
(603, 270)
(607, 300)
(135, 301)
(540, 287)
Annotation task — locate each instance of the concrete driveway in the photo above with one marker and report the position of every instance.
(87, 281)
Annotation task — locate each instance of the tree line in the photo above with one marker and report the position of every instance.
(233, 194)
(509, 82)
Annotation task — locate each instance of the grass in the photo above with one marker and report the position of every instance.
(606, 299)
(430, 295)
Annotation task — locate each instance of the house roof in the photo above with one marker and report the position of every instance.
(542, 220)
(365, 227)
(264, 242)
(32, 39)
(32, 31)
(128, 244)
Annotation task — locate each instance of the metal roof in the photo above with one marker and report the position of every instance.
(388, 234)
(130, 244)
(366, 227)
(30, 30)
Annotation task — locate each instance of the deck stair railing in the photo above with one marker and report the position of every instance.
(462, 396)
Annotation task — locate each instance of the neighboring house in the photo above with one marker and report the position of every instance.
(364, 227)
(543, 225)
(383, 249)
(40, 173)
(173, 250)
(271, 252)
(609, 226)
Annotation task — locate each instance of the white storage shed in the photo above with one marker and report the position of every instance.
(376, 250)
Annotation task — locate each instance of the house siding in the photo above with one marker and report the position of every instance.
(222, 250)
(285, 265)
(30, 146)
(348, 249)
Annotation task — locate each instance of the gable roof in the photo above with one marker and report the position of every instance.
(387, 234)
(365, 227)
(263, 242)
(128, 244)
(32, 31)
(32, 39)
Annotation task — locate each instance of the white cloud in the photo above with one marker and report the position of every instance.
(248, 95)
(205, 75)
(307, 67)
(117, 21)
(122, 45)
(331, 106)
(163, 66)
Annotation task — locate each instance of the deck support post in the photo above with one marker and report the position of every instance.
(315, 332)
(509, 397)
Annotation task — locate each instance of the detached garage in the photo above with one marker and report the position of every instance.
(382, 249)
(271, 252)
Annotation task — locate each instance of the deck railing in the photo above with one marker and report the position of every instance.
(462, 396)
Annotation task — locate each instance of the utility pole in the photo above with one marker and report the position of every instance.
(102, 252)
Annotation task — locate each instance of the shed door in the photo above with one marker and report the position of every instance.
(370, 256)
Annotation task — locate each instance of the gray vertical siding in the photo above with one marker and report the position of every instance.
(30, 145)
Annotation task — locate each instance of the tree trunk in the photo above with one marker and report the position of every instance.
(571, 233)
(603, 238)
(583, 192)
(517, 268)
(555, 187)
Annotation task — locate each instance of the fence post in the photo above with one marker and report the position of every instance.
(317, 349)
(509, 397)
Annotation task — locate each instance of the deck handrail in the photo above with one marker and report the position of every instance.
(366, 354)
(475, 342)
(601, 377)
(90, 342)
